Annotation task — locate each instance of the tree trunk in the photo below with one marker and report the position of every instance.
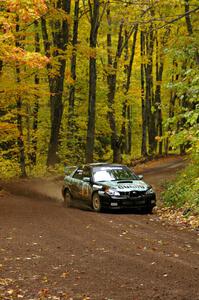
(36, 104)
(187, 17)
(94, 14)
(127, 109)
(71, 121)
(116, 140)
(189, 26)
(56, 84)
(172, 99)
(124, 130)
(1, 66)
(20, 139)
(144, 115)
(150, 108)
(56, 105)
(158, 102)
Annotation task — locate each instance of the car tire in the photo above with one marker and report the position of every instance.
(149, 210)
(96, 203)
(67, 199)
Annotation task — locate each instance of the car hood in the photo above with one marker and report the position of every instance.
(126, 186)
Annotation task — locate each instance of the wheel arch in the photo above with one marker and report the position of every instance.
(94, 192)
(64, 190)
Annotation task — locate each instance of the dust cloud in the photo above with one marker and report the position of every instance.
(37, 189)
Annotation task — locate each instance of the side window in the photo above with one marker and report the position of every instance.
(86, 172)
(78, 174)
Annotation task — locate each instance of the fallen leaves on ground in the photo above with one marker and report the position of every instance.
(176, 216)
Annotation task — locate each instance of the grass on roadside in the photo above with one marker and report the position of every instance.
(181, 195)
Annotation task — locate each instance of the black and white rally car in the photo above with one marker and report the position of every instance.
(112, 186)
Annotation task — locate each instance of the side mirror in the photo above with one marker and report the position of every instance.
(140, 177)
(87, 179)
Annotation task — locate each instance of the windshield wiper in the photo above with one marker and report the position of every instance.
(125, 180)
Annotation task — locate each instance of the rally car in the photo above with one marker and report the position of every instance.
(108, 186)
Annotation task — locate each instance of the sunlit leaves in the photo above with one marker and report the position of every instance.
(27, 9)
(12, 54)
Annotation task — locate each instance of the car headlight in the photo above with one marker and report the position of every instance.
(150, 191)
(112, 192)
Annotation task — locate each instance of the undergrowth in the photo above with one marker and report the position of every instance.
(184, 190)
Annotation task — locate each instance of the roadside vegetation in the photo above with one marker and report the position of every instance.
(184, 190)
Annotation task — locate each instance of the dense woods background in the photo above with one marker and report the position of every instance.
(93, 80)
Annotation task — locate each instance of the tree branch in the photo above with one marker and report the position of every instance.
(178, 18)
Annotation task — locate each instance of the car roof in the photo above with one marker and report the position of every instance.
(104, 164)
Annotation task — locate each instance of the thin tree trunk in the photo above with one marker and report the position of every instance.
(149, 92)
(130, 107)
(129, 73)
(144, 115)
(173, 97)
(36, 103)
(158, 102)
(124, 130)
(71, 121)
(1, 66)
(20, 139)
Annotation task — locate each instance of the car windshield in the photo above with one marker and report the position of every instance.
(113, 174)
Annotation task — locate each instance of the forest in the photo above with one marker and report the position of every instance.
(97, 80)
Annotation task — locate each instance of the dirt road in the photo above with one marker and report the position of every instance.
(48, 252)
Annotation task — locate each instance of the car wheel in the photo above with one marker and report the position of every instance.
(67, 199)
(96, 203)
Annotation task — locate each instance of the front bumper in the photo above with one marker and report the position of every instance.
(146, 201)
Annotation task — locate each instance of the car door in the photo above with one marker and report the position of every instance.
(76, 184)
(86, 189)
